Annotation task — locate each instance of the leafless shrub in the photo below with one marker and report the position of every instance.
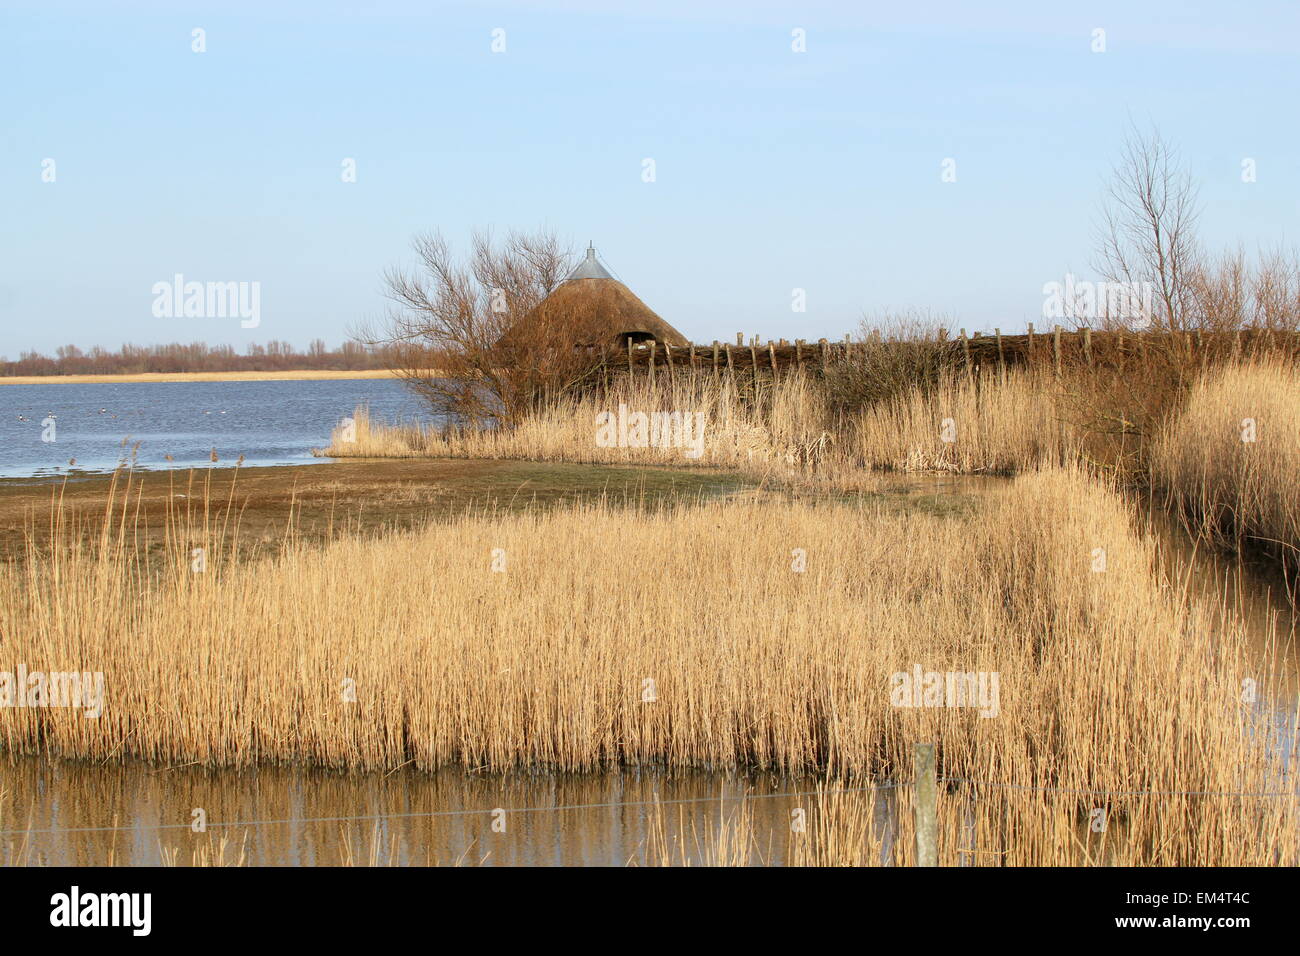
(1231, 293)
(457, 335)
(897, 352)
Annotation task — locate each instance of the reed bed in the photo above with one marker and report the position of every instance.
(899, 408)
(959, 425)
(965, 426)
(685, 638)
(1230, 463)
(784, 425)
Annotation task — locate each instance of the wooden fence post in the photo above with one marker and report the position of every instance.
(926, 797)
(1087, 346)
(1002, 365)
(668, 357)
(824, 346)
(1056, 349)
(1029, 348)
(771, 353)
(650, 368)
(965, 349)
(715, 358)
(629, 360)
(731, 369)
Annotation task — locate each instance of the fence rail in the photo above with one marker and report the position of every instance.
(1032, 348)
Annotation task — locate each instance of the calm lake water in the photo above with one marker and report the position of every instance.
(269, 423)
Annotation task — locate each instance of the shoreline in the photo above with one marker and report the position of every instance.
(326, 498)
(287, 375)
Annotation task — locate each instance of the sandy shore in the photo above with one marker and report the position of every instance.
(299, 375)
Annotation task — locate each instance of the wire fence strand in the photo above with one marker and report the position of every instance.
(719, 798)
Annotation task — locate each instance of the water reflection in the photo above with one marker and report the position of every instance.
(79, 814)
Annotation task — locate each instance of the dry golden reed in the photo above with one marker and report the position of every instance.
(959, 426)
(965, 426)
(682, 638)
(788, 425)
(1230, 462)
(1001, 421)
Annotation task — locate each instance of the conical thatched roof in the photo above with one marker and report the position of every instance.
(598, 309)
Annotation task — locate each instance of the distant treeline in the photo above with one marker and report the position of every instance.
(274, 356)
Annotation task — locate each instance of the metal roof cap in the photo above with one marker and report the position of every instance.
(589, 268)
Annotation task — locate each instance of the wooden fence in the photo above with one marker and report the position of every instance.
(978, 351)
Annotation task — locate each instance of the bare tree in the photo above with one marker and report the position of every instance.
(458, 335)
(1148, 228)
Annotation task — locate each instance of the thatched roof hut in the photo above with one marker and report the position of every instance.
(600, 311)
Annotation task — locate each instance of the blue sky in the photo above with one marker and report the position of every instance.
(775, 170)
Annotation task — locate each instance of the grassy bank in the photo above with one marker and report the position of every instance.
(325, 501)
